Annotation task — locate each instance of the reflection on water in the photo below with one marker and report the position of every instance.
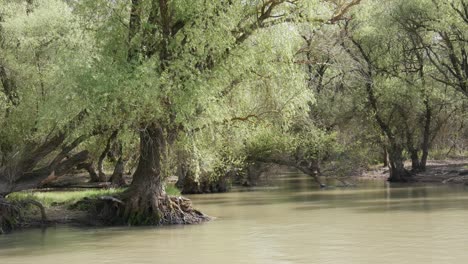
(294, 223)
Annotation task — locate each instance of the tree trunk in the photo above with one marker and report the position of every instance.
(385, 156)
(117, 178)
(102, 175)
(89, 167)
(398, 173)
(186, 181)
(425, 154)
(145, 201)
(144, 194)
(415, 164)
(426, 136)
(24, 180)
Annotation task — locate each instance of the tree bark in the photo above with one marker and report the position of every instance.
(102, 177)
(117, 178)
(89, 167)
(22, 175)
(142, 198)
(398, 173)
(410, 146)
(385, 156)
(415, 164)
(427, 135)
(145, 202)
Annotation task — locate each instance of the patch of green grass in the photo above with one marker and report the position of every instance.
(62, 197)
(171, 189)
(49, 199)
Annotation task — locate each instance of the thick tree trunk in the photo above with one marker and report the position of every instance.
(398, 173)
(145, 201)
(186, 181)
(147, 189)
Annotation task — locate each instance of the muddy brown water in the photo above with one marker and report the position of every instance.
(290, 222)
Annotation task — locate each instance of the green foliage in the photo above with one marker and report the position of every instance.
(43, 52)
(233, 87)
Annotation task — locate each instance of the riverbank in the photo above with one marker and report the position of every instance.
(64, 206)
(293, 223)
(453, 171)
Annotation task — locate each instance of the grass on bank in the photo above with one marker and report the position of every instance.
(69, 197)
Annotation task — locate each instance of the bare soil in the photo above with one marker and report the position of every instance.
(454, 171)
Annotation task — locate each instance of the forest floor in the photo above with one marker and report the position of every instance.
(453, 171)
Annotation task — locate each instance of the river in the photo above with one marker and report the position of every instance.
(290, 222)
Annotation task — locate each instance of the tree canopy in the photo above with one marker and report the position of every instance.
(200, 89)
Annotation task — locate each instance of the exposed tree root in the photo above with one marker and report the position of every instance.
(11, 214)
(403, 176)
(165, 210)
(457, 179)
(38, 205)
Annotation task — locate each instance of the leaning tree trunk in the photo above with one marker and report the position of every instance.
(89, 167)
(117, 178)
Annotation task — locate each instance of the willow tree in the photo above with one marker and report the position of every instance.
(43, 116)
(434, 105)
(43, 113)
(448, 50)
(174, 70)
(189, 65)
(402, 92)
(164, 69)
